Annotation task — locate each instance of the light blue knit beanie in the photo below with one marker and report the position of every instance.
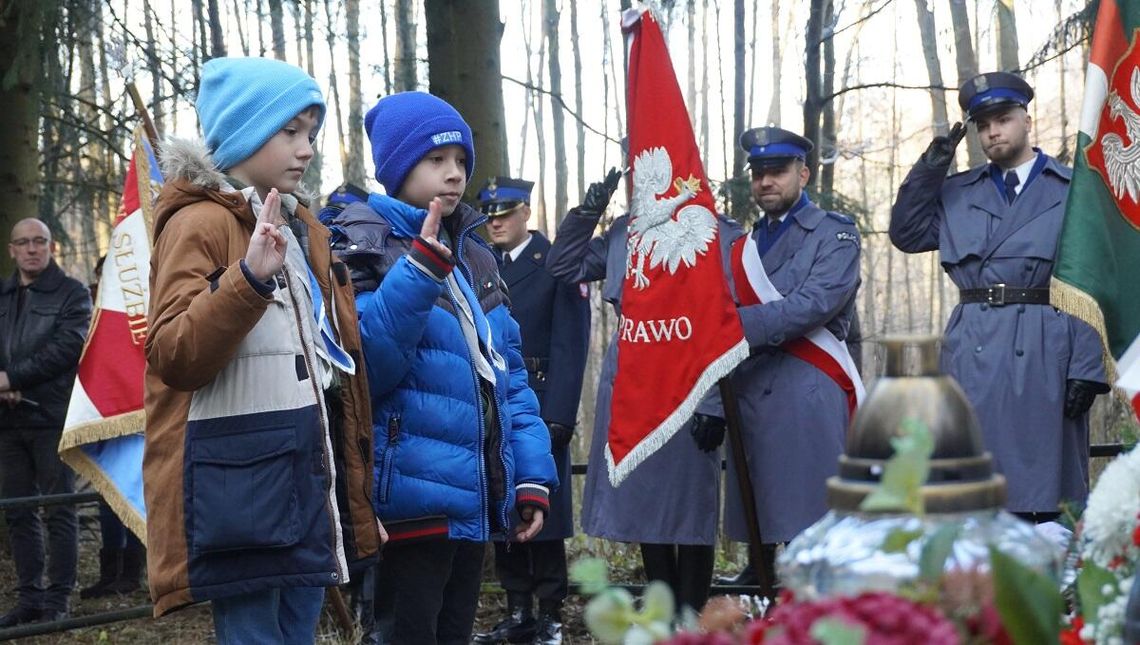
(242, 102)
(404, 127)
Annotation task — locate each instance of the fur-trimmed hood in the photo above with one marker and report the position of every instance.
(193, 176)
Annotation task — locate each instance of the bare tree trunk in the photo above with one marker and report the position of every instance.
(87, 163)
(752, 63)
(463, 54)
(1063, 155)
(153, 64)
(705, 83)
(334, 90)
(277, 23)
(828, 135)
(406, 46)
(298, 39)
(727, 173)
(538, 108)
(691, 94)
(738, 190)
(1007, 36)
(20, 31)
(354, 173)
(384, 46)
(314, 171)
(525, 19)
(202, 46)
(239, 19)
(777, 66)
(967, 65)
(813, 75)
(260, 28)
(557, 116)
(580, 129)
(941, 125)
(217, 41)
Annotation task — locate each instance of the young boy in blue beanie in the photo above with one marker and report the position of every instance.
(257, 468)
(460, 450)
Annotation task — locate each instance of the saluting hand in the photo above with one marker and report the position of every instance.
(940, 152)
(429, 232)
(266, 253)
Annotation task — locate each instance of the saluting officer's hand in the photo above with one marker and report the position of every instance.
(598, 194)
(940, 152)
(266, 253)
(531, 523)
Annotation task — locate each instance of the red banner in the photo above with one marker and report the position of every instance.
(679, 332)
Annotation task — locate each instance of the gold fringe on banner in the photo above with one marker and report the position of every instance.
(71, 452)
(1075, 302)
(109, 428)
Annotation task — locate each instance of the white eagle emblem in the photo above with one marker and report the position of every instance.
(654, 233)
(1123, 162)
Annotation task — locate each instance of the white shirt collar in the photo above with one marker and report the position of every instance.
(518, 250)
(1022, 172)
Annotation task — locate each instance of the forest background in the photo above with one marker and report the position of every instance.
(542, 84)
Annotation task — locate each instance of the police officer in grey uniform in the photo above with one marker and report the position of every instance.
(795, 416)
(554, 323)
(669, 504)
(1030, 371)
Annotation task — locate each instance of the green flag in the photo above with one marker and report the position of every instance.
(1097, 271)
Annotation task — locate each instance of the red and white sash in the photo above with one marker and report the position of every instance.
(819, 348)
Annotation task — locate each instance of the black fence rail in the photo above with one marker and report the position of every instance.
(1097, 451)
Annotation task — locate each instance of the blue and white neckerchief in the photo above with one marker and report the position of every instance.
(333, 352)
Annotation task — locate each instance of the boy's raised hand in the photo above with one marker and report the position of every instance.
(266, 253)
(430, 229)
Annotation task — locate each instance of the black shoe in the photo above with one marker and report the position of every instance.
(518, 627)
(21, 615)
(52, 615)
(549, 628)
(746, 578)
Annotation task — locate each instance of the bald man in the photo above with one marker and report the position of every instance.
(44, 316)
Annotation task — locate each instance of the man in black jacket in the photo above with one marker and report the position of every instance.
(44, 317)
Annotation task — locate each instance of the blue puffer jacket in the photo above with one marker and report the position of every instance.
(438, 471)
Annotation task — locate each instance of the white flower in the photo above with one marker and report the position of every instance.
(1111, 515)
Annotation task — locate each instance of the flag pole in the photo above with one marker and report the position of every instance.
(732, 419)
(140, 108)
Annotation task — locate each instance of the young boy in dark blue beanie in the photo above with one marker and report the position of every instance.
(256, 470)
(459, 445)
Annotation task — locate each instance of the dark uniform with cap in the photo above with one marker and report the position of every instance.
(1029, 370)
(554, 322)
(794, 416)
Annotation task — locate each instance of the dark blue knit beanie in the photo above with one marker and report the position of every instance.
(406, 126)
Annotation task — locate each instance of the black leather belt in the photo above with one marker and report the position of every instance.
(536, 365)
(1000, 294)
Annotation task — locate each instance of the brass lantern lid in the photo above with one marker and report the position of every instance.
(961, 475)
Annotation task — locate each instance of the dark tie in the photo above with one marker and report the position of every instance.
(1011, 182)
(773, 225)
(506, 259)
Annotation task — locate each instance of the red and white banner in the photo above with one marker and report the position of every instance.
(1128, 368)
(679, 332)
(820, 348)
(102, 435)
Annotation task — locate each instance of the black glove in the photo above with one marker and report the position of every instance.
(1079, 396)
(560, 435)
(940, 152)
(708, 431)
(598, 194)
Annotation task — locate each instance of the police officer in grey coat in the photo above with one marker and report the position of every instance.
(795, 416)
(1030, 371)
(669, 504)
(554, 323)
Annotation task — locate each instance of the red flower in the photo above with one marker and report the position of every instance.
(1136, 535)
(1072, 635)
(886, 618)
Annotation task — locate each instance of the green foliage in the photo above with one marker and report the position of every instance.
(932, 559)
(899, 539)
(1029, 603)
(591, 574)
(834, 631)
(613, 618)
(900, 488)
(1091, 582)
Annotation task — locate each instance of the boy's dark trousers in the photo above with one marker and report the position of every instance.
(535, 570)
(427, 592)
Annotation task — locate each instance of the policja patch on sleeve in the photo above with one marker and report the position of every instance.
(846, 236)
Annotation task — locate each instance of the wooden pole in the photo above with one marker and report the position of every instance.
(732, 420)
(140, 108)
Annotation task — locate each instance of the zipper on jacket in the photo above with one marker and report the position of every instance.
(341, 573)
(388, 457)
(503, 511)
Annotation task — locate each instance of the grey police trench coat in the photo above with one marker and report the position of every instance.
(1012, 361)
(795, 417)
(671, 498)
